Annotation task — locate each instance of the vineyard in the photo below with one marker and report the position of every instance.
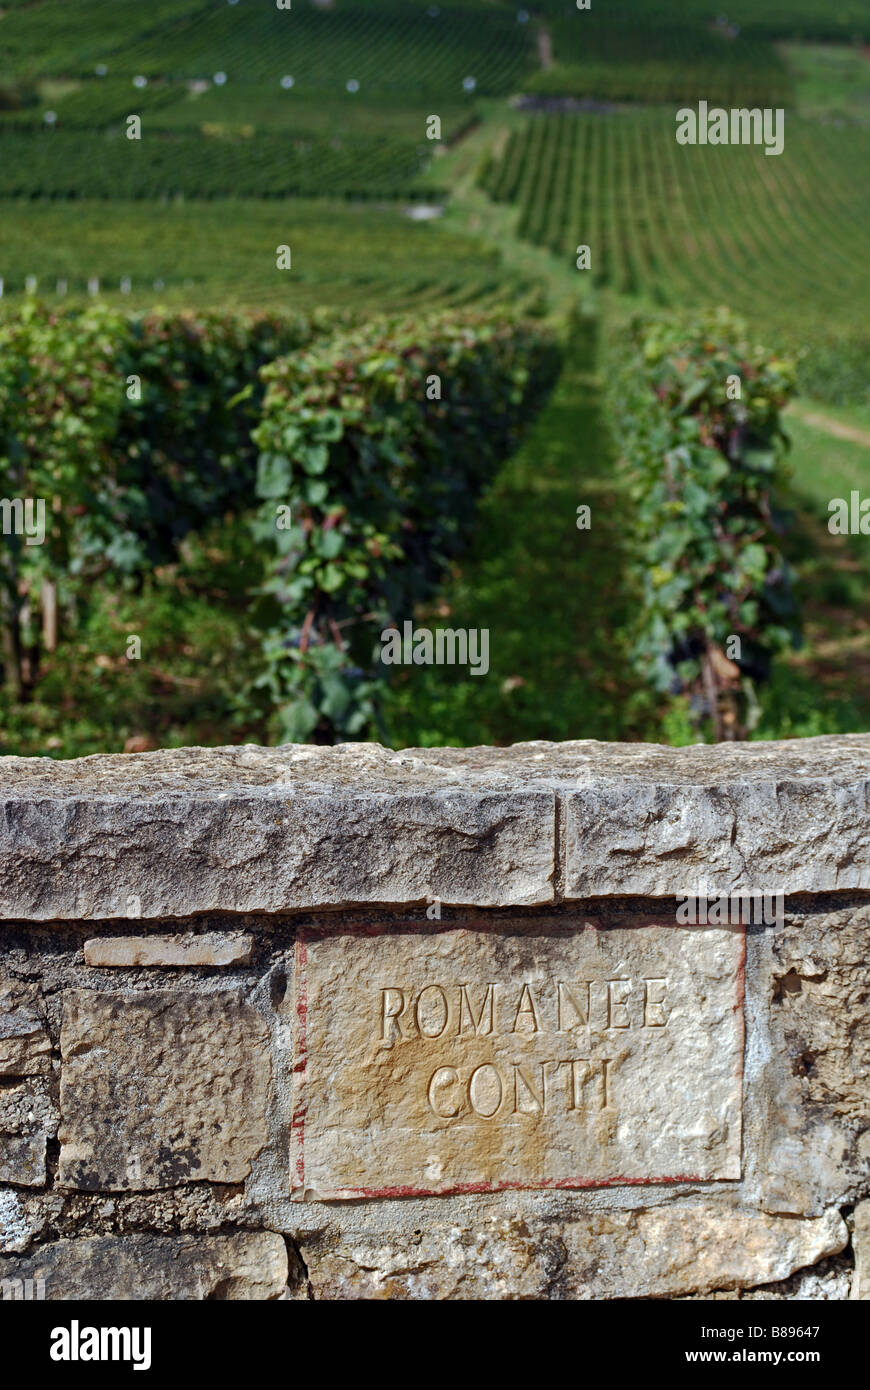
(351, 447)
(387, 45)
(288, 199)
(767, 19)
(782, 238)
(639, 57)
(225, 253)
(77, 165)
(243, 100)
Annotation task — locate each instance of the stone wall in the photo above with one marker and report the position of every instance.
(342, 1023)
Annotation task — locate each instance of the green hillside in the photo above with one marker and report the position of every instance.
(412, 156)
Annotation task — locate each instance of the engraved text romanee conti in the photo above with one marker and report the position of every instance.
(558, 1015)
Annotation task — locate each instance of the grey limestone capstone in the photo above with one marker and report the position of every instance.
(247, 829)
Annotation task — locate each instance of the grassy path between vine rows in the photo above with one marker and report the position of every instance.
(470, 212)
(822, 421)
(557, 604)
(825, 687)
(553, 597)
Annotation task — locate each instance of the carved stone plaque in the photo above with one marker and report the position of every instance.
(453, 1059)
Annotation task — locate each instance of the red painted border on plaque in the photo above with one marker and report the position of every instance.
(300, 1100)
(300, 1058)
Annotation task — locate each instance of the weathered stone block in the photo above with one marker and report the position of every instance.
(27, 1117)
(810, 1061)
(22, 1157)
(232, 1267)
(25, 1047)
(23, 1217)
(160, 1088)
(265, 830)
(449, 1060)
(187, 948)
(273, 830)
(381, 1251)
